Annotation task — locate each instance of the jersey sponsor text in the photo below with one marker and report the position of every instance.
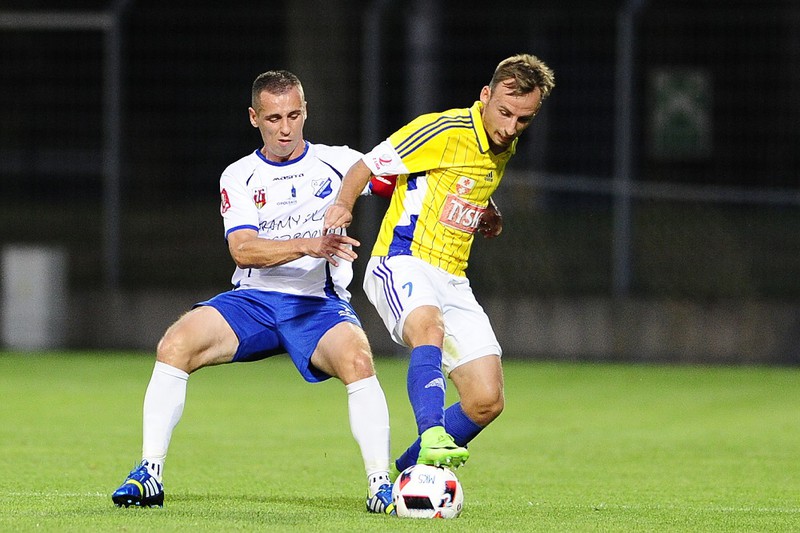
(461, 215)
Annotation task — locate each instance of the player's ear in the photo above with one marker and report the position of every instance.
(305, 110)
(253, 116)
(486, 92)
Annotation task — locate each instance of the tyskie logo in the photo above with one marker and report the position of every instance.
(461, 215)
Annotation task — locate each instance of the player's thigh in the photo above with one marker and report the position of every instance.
(468, 331)
(399, 285)
(201, 337)
(344, 352)
(424, 325)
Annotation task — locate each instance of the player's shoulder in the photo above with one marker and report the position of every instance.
(337, 156)
(322, 150)
(456, 113)
(449, 122)
(243, 166)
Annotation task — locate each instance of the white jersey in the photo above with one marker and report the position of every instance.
(288, 201)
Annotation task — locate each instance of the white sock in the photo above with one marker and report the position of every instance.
(163, 407)
(369, 423)
(377, 480)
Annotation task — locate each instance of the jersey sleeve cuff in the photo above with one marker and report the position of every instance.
(237, 228)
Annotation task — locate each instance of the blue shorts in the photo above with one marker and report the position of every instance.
(272, 323)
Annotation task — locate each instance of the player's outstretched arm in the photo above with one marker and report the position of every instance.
(340, 214)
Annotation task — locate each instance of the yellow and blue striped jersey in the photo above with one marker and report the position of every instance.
(446, 175)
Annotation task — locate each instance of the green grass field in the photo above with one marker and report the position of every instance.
(580, 447)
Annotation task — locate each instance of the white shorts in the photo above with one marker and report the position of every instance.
(399, 284)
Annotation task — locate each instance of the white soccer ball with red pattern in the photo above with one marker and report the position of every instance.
(424, 491)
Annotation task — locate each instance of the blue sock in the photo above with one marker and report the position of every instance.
(426, 386)
(456, 423)
(459, 426)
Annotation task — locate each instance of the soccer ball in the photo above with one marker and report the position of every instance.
(425, 491)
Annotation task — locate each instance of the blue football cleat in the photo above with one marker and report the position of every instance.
(141, 489)
(381, 502)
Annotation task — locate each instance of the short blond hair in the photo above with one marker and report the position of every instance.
(523, 73)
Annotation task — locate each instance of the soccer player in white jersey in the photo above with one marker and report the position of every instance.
(290, 293)
(449, 163)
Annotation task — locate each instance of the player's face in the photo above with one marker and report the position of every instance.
(280, 119)
(506, 116)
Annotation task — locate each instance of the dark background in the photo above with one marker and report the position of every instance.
(187, 69)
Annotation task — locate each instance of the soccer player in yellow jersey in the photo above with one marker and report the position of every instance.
(449, 164)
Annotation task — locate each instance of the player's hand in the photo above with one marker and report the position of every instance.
(332, 245)
(491, 224)
(336, 216)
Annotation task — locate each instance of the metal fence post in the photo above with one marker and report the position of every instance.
(623, 147)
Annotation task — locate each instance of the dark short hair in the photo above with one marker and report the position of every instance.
(275, 82)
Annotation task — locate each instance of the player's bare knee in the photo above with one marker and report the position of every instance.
(349, 365)
(362, 365)
(172, 350)
(497, 407)
(484, 409)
